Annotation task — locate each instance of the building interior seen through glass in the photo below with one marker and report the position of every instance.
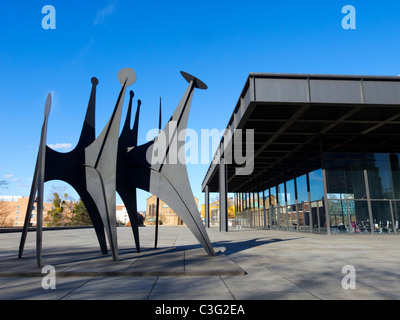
(361, 192)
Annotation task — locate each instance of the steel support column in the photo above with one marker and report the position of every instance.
(327, 217)
(265, 211)
(207, 207)
(223, 207)
(309, 204)
(371, 221)
(297, 205)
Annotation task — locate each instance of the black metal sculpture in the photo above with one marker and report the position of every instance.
(99, 167)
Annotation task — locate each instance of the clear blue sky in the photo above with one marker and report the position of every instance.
(220, 42)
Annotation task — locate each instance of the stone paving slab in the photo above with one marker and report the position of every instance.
(71, 260)
(249, 265)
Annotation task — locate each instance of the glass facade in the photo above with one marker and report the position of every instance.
(361, 194)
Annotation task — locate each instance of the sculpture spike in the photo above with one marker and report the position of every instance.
(159, 119)
(37, 187)
(168, 181)
(127, 125)
(101, 164)
(128, 138)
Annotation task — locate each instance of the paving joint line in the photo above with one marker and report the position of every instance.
(229, 290)
(75, 289)
(152, 288)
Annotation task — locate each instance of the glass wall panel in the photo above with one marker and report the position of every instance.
(362, 224)
(283, 217)
(396, 214)
(300, 221)
(273, 211)
(268, 206)
(250, 204)
(342, 213)
(281, 193)
(282, 208)
(345, 175)
(351, 211)
(316, 185)
(261, 198)
(337, 214)
(302, 188)
(291, 210)
(302, 200)
(291, 198)
(347, 201)
(318, 213)
(382, 216)
(395, 172)
(379, 175)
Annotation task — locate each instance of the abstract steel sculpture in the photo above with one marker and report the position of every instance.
(99, 167)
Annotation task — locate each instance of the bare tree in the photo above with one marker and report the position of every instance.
(5, 211)
(62, 190)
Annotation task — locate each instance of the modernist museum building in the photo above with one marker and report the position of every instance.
(325, 154)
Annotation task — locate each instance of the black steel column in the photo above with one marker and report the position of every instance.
(207, 207)
(259, 209)
(369, 201)
(327, 217)
(297, 204)
(265, 211)
(325, 186)
(278, 209)
(395, 178)
(286, 207)
(157, 221)
(270, 208)
(223, 207)
(310, 217)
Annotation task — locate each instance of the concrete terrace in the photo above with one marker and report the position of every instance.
(249, 265)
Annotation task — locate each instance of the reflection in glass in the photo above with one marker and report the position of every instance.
(281, 193)
(347, 200)
(379, 176)
(273, 218)
(345, 174)
(382, 216)
(291, 198)
(302, 188)
(316, 186)
(396, 214)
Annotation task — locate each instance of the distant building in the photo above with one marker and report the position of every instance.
(166, 215)
(214, 211)
(13, 211)
(122, 214)
(123, 217)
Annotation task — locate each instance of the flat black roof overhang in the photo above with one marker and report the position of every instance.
(296, 116)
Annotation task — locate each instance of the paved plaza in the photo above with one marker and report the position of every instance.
(249, 265)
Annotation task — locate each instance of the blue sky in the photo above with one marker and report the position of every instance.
(220, 42)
